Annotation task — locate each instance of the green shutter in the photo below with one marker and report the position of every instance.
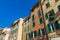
(35, 33)
(59, 8)
(31, 34)
(41, 20)
(46, 15)
(28, 36)
(49, 29)
(57, 25)
(28, 19)
(32, 17)
(24, 29)
(43, 31)
(33, 24)
(39, 34)
(51, 17)
(52, 12)
(28, 27)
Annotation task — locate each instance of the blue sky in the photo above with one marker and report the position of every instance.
(11, 10)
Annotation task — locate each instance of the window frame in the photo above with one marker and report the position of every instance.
(48, 5)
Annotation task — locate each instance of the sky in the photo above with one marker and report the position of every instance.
(11, 10)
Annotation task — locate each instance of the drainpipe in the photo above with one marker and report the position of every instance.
(40, 5)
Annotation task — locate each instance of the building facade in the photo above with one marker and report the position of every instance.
(37, 30)
(1, 31)
(6, 33)
(51, 13)
(16, 30)
(26, 29)
(51, 10)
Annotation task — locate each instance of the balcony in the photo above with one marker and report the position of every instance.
(55, 17)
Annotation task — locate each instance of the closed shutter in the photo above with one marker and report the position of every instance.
(43, 31)
(49, 29)
(41, 20)
(33, 24)
(57, 25)
(59, 7)
(28, 28)
(46, 15)
(31, 34)
(32, 17)
(35, 34)
(39, 34)
(52, 12)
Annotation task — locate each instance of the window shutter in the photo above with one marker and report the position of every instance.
(59, 7)
(49, 29)
(31, 34)
(43, 31)
(52, 12)
(46, 15)
(57, 25)
(39, 34)
(28, 28)
(32, 17)
(41, 20)
(35, 34)
(33, 24)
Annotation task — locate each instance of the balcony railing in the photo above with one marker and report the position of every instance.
(55, 16)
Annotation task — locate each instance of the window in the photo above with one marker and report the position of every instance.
(24, 22)
(41, 32)
(16, 30)
(24, 29)
(33, 24)
(41, 20)
(28, 36)
(50, 28)
(51, 15)
(28, 19)
(39, 13)
(47, 5)
(59, 8)
(53, 26)
(28, 28)
(57, 25)
(32, 17)
(34, 34)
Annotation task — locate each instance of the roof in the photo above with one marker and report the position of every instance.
(36, 5)
(27, 18)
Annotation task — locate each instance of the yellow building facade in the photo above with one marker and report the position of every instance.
(26, 29)
(51, 10)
